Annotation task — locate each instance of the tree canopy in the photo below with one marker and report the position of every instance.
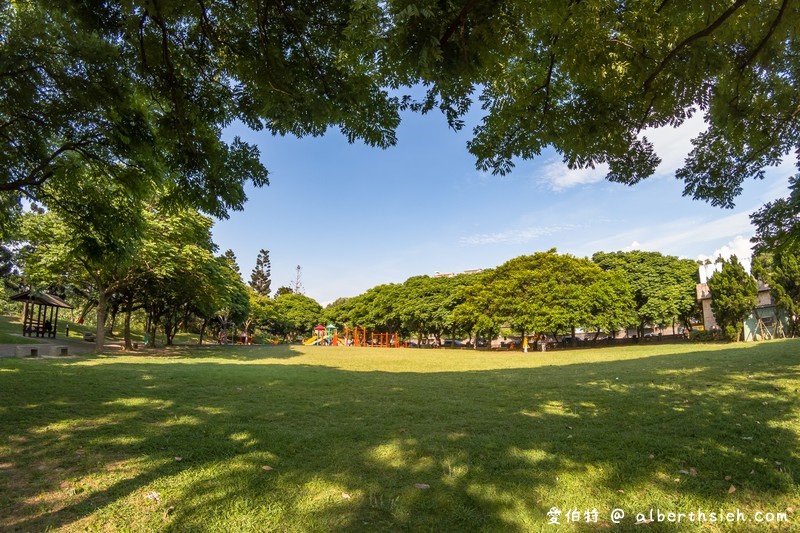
(140, 91)
(663, 286)
(550, 293)
(734, 294)
(777, 223)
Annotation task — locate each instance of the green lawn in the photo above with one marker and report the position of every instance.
(11, 332)
(358, 439)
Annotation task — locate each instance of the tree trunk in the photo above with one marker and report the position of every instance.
(126, 333)
(102, 302)
(171, 335)
(170, 327)
(184, 325)
(114, 311)
(202, 331)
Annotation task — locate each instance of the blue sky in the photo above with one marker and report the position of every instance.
(354, 217)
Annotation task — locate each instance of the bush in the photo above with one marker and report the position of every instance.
(733, 333)
(705, 336)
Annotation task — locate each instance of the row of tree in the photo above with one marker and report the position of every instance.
(168, 271)
(164, 269)
(544, 293)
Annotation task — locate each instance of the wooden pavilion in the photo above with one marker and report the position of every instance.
(40, 317)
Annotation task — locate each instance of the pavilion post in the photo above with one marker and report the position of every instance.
(25, 319)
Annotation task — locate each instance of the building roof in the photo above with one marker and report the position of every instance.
(41, 298)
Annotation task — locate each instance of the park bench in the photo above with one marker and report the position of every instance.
(58, 351)
(35, 350)
(27, 350)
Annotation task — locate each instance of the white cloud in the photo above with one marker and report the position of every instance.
(513, 236)
(559, 177)
(677, 236)
(740, 246)
(673, 144)
(690, 231)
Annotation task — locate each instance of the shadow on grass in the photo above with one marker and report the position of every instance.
(233, 352)
(346, 449)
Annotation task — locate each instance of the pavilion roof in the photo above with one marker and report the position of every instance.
(41, 298)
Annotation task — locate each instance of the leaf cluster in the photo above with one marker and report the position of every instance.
(734, 294)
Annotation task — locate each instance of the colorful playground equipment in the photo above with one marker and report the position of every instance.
(329, 336)
(326, 336)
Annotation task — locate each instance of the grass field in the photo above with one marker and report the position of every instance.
(11, 333)
(358, 439)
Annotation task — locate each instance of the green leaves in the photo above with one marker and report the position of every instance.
(734, 294)
(662, 287)
(140, 91)
(295, 315)
(586, 78)
(781, 271)
(260, 280)
(778, 223)
(549, 293)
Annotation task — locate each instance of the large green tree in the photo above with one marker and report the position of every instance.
(178, 277)
(475, 310)
(167, 267)
(663, 286)
(778, 223)
(549, 293)
(120, 92)
(588, 77)
(295, 315)
(734, 295)
(426, 305)
(95, 230)
(142, 89)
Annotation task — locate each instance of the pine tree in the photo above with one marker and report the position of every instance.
(260, 277)
(231, 257)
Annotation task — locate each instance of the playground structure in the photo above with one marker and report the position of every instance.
(329, 336)
(324, 336)
(375, 340)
